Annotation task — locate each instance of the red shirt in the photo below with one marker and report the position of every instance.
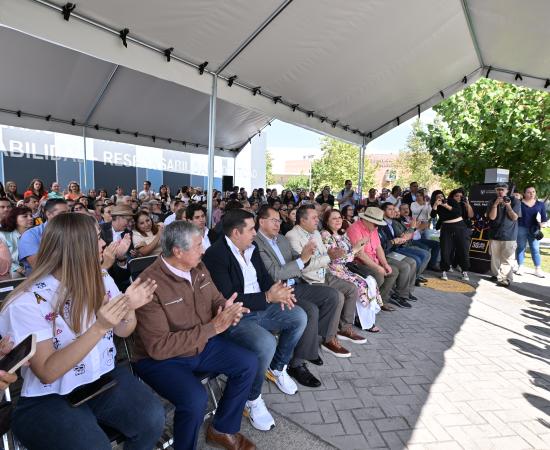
(358, 231)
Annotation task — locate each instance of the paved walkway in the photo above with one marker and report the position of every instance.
(453, 372)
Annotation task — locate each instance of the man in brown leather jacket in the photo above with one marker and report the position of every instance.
(178, 335)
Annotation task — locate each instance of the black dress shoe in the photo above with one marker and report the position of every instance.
(404, 303)
(412, 298)
(317, 362)
(395, 301)
(303, 376)
(422, 279)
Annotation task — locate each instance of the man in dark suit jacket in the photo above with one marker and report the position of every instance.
(117, 231)
(322, 304)
(236, 266)
(410, 196)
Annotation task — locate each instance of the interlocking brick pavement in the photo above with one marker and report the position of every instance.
(454, 372)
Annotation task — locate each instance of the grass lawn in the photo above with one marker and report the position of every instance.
(545, 255)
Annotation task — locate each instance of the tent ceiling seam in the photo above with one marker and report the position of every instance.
(101, 94)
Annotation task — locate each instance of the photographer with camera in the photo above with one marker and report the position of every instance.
(455, 236)
(503, 213)
(533, 217)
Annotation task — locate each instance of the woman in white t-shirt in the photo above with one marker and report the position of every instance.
(421, 209)
(146, 237)
(74, 308)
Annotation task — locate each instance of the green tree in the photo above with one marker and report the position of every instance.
(297, 182)
(493, 124)
(269, 178)
(339, 163)
(415, 163)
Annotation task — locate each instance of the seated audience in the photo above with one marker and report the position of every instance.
(420, 210)
(5, 207)
(11, 192)
(55, 191)
(321, 303)
(73, 191)
(36, 188)
(410, 196)
(346, 214)
(317, 272)
(33, 203)
(164, 198)
(416, 228)
(106, 214)
(174, 340)
(118, 231)
(29, 243)
(79, 207)
(18, 220)
(397, 238)
(196, 214)
(372, 260)
(372, 199)
(175, 205)
(347, 196)
(236, 266)
(395, 196)
(119, 193)
(289, 221)
(334, 237)
(74, 309)
(147, 235)
(325, 197)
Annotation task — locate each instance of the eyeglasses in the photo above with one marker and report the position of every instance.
(284, 209)
(279, 221)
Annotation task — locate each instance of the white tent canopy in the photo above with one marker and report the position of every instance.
(355, 69)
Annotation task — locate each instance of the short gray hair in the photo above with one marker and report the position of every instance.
(178, 234)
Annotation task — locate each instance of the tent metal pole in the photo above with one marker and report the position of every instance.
(361, 168)
(473, 35)
(91, 111)
(211, 147)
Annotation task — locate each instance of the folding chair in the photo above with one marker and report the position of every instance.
(138, 265)
(8, 285)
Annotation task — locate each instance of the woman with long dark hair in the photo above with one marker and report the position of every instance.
(74, 309)
(36, 188)
(454, 236)
(147, 236)
(164, 198)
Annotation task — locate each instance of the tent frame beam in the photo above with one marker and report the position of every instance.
(211, 150)
(91, 112)
(253, 36)
(473, 36)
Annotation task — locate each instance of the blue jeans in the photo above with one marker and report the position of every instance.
(524, 236)
(174, 379)
(49, 422)
(432, 246)
(420, 256)
(254, 333)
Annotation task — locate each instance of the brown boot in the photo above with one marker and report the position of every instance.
(228, 441)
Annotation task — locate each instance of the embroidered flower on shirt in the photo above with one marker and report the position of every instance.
(58, 331)
(51, 316)
(39, 298)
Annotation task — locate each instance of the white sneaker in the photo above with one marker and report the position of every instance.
(282, 380)
(538, 272)
(518, 270)
(259, 416)
(444, 276)
(465, 276)
(450, 269)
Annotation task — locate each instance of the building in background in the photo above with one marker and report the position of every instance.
(27, 154)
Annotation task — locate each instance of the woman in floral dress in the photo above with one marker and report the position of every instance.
(334, 237)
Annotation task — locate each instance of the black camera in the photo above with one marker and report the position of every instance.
(538, 235)
(444, 201)
(506, 199)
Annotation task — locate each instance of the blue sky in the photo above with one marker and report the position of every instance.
(281, 134)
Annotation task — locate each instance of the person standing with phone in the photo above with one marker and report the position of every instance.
(74, 308)
(503, 213)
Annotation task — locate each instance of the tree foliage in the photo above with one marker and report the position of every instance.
(297, 182)
(340, 162)
(269, 178)
(493, 124)
(415, 163)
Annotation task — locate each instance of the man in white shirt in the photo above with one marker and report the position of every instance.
(235, 265)
(347, 196)
(147, 193)
(196, 214)
(175, 205)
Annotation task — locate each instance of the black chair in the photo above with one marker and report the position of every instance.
(138, 265)
(8, 285)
